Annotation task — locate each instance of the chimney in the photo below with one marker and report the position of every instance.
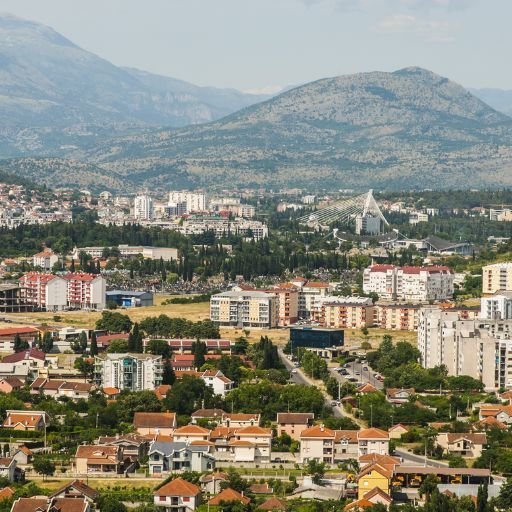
(322, 427)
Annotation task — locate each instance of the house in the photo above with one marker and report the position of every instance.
(252, 444)
(14, 370)
(488, 423)
(8, 334)
(23, 456)
(134, 446)
(271, 504)
(396, 431)
(98, 459)
(162, 390)
(317, 443)
(111, 393)
(502, 413)
(211, 483)
(178, 495)
(399, 395)
(463, 444)
(10, 384)
(77, 489)
(45, 260)
(149, 423)
(345, 444)
(229, 495)
(58, 388)
(34, 359)
(293, 423)
(371, 498)
(28, 421)
(261, 488)
(168, 456)
(183, 362)
(8, 468)
(210, 415)
(374, 476)
(367, 388)
(44, 504)
(6, 493)
(190, 433)
(240, 420)
(372, 440)
(216, 380)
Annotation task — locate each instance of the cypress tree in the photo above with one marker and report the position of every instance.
(94, 345)
(168, 375)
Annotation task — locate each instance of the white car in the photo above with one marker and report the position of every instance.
(294, 371)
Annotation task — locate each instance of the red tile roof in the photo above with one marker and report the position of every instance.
(12, 331)
(154, 420)
(178, 487)
(228, 496)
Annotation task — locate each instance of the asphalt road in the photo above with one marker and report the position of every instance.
(365, 376)
(411, 459)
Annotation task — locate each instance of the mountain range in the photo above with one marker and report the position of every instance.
(70, 118)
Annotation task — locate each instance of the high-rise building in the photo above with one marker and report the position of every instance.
(195, 201)
(132, 372)
(143, 207)
(497, 306)
(479, 348)
(496, 277)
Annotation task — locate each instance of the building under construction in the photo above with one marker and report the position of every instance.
(12, 300)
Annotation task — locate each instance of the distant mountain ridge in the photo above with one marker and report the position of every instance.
(499, 99)
(406, 129)
(54, 94)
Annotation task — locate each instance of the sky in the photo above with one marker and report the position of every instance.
(263, 45)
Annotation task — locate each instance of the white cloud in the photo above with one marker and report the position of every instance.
(432, 31)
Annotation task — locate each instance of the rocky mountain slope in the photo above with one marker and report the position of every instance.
(54, 94)
(406, 129)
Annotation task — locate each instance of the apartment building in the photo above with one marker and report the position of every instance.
(45, 260)
(479, 348)
(344, 312)
(85, 291)
(398, 317)
(417, 284)
(288, 297)
(245, 309)
(309, 292)
(133, 372)
(128, 251)
(50, 292)
(44, 291)
(194, 201)
(497, 306)
(143, 207)
(496, 277)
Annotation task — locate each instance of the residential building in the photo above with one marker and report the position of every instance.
(134, 446)
(397, 431)
(294, 423)
(12, 299)
(252, 444)
(288, 296)
(23, 456)
(245, 309)
(85, 291)
(34, 360)
(344, 312)
(178, 495)
(98, 459)
(129, 251)
(8, 468)
(317, 443)
(133, 372)
(229, 495)
(9, 370)
(45, 260)
(194, 201)
(372, 441)
(398, 317)
(497, 306)
(172, 456)
(481, 349)
(417, 284)
(210, 415)
(346, 445)
(399, 395)
(240, 420)
(155, 423)
(77, 489)
(216, 380)
(500, 215)
(463, 444)
(47, 292)
(10, 384)
(44, 504)
(143, 207)
(500, 413)
(58, 388)
(496, 277)
(8, 334)
(27, 421)
(191, 433)
(309, 293)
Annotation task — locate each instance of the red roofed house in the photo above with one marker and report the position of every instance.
(190, 433)
(178, 495)
(33, 359)
(10, 384)
(45, 260)
(251, 444)
(317, 443)
(85, 291)
(44, 504)
(183, 362)
(26, 420)
(98, 459)
(229, 496)
(149, 423)
(293, 423)
(7, 335)
(219, 383)
(373, 441)
(370, 499)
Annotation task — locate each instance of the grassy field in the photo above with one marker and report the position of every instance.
(54, 483)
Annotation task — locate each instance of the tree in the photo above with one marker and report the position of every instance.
(428, 486)
(94, 345)
(47, 342)
(79, 346)
(168, 375)
(235, 481)
(138, 343)
(112, 321)
(119, 346)
(159, 348)
(111, 504)
(84, 366)
(199, 350)
(482, 497)
(241, 345)
(44, 466)
(504, 499)
(316, 470)
(19, 344)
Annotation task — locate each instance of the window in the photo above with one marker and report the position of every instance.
(186, 498)
(162, 498)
